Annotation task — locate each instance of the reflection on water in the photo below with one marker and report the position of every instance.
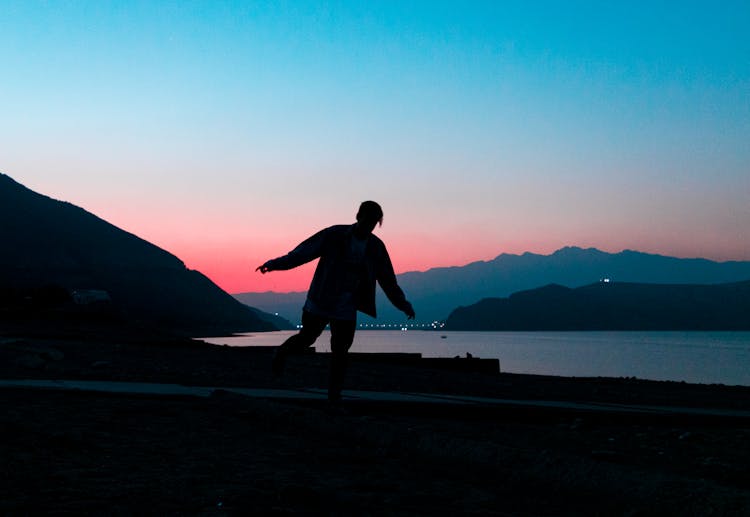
(704, 357)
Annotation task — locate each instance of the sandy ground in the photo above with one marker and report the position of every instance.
(85, 453)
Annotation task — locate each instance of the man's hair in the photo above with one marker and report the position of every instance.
(370, 210)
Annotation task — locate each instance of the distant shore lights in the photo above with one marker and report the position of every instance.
(402, 326)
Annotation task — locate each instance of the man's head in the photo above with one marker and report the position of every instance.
(369, 215)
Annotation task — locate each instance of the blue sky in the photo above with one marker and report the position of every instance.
(227, 131)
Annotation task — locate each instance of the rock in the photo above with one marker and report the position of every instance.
(30, 361)
(51, 354)
(606, 455)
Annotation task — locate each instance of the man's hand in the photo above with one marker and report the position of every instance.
(409, 311)
(263, 268)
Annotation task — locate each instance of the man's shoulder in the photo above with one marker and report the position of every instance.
(377, 240)
(333, 234)
(337, 229)
(376, 244)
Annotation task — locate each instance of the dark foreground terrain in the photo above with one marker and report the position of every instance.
(104, 454)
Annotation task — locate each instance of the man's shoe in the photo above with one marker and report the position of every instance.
(335, 408)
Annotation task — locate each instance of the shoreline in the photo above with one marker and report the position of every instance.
(196, 362)
(79, 452)
(695, 357)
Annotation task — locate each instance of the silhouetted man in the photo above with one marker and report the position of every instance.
(352, 259)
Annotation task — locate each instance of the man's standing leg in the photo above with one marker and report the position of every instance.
(312, 327)
(342, 337)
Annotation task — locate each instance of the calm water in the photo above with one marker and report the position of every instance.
(703, 357)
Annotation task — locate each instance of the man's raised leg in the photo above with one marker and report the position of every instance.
(312, 327)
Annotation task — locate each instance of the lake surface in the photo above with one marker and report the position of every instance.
(700, 357)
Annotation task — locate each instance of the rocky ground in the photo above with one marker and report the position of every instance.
(103, 454)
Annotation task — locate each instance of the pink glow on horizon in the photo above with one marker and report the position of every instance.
(234, 270)
(227, 248)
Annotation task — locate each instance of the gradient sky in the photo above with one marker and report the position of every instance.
(226, 132)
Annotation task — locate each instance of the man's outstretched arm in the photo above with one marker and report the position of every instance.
(308, 250)
(387, 280)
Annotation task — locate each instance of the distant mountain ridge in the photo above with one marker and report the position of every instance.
(612, 306)
(436, 292)
(46, 242)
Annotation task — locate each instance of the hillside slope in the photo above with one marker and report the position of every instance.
(49, 243)
(612, 306)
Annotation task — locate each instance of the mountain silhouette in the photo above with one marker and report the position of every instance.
(612, 306)
(436, 292)
(50, 244)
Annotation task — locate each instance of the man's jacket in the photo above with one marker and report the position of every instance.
(331, 245)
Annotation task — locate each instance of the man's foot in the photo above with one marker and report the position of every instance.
(336, 408)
